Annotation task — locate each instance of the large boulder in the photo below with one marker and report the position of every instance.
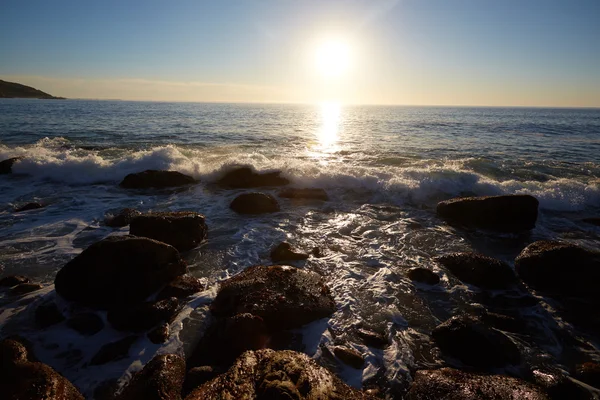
(254, 203)
(307, 194)
(23, 379)
(118, 271)
(245, 177)
(269, 374)
(452, 384)
(474, 343)
(560, 268)
(183, 230)
(161, 379)
(144, 316)
(479, 270)
(283, 296)
(156, 179)
(511, 213)
(6, 165)
(122, 218)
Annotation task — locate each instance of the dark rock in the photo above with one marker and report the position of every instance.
(113, 351)
(30, 206)
(24, 288)
(479, 270)
(23, 379)
(161, 379)
(557, 385)
(308, 193)
(6, 165)
(160, 334)
(156, 179)
(317, 252)
(106, 390)
(371, 338)
(86, 324)
(589, 373)
(118, 271)
(593, 221)
(183, 230)
(47, 314)
(244, 178)
(472, 342)
(181, 287)
(283, 296)
(269, 374)
(452, 384)
(560, 268)
(198, 376)
(511, 213)
(349, 356)
(283, 252)
(254, 203)
(13, 280)
(503, 322)
(123, 218)
(423, 275)
(141, 317)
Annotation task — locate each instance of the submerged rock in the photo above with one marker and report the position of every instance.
(372, 338)
(161, 379)
(479, 270)
(245, 177)
(423, 275)
(472, 342)
(123, 218)
(118, 271)
(86, 324)
(22, 379)
(349, 356)
(269, 374)
(183, 230)
(6, 165)
(307, 193)
(181, 287)
(254, 203)
(113, 351)
(283, 252)
(510, 213)
(30, 206)
(141, 317)
(452, 384)
(283, 296)
(560, 268)
(13, 280)
(156, 179)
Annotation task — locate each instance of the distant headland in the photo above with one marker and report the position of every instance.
(16, 90)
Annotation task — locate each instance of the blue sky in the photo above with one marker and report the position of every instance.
(464, 52)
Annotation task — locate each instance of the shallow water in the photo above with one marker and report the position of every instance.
(384, 168)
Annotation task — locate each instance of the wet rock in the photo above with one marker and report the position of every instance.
(593, 221)
(283, 296)
(349, 356)
(479, 270)
(123, 218)
(161, 379)
(141, 317)
(474, 343)
(160, 334)
(510, 213)
(47, 314)
(181, 287)
(308, 193)
(589, 373)
(24, 288)
(245, 177)
(269, 374)
(118, 271)
(106, 390)
(452, 384)
(13, 280)
(560, 268)
(6, 165)
(156, 179)
(183, 230)
(371, 338)
(30, 206)
(198, 376)
(317, 252)
(423, 275)
(113, 351)
(503, 322)
(557, 385)
(23, 379)
(283, 252)
(87, 324)
(254, 203)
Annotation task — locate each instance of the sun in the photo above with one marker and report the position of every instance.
(333, 58)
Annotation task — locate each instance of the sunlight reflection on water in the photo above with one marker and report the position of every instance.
(327, 135)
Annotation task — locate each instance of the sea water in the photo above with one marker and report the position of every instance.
(384, 168)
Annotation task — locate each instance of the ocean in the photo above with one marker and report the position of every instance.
(384, 168)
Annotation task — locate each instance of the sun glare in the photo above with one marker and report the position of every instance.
(333, 58)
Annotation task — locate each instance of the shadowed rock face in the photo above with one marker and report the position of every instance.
(118, 271)
(479, 270)
(514, 213)
(6, 165)
(22, 379)
(123, 218)
(161, 379)
(144, 316)
(181, 287)
(269, 374)
(183, 230)
(423, 275)
(254, 203)
(451, 384)
(244, 178)
(156, 179)
(284, 297)
(284, 252)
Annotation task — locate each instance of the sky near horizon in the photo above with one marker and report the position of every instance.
(413, 52)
